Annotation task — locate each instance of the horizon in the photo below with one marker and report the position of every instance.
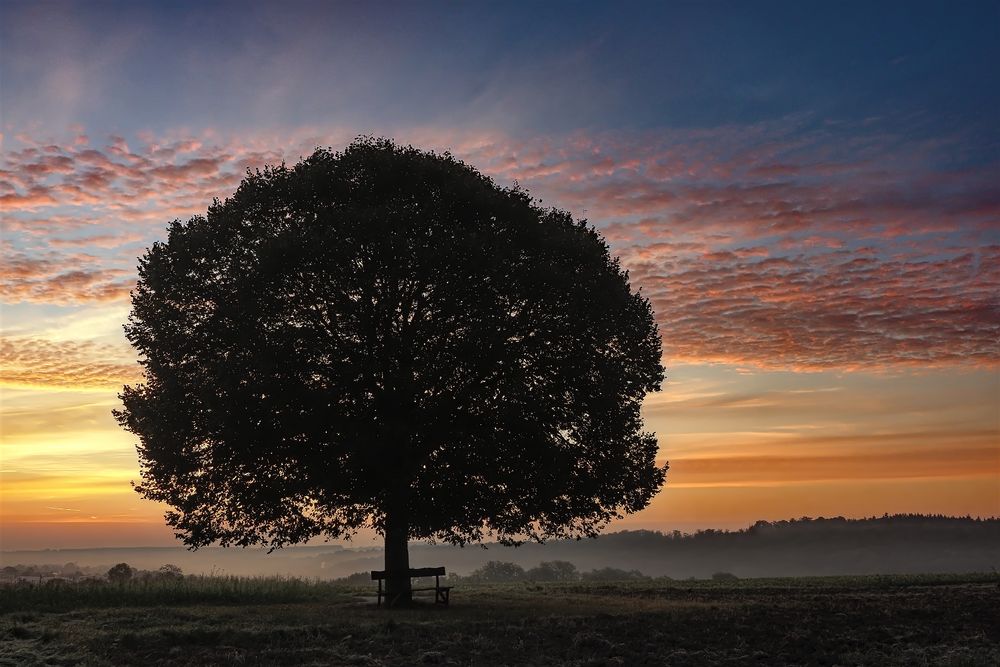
(808, 196)
(806, 547)
(351, 545)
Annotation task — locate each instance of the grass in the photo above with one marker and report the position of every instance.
(190, 590)
(904, 620)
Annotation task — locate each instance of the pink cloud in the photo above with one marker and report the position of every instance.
(97, 241)
(28, 361)
(831, 310)
(37, 196)
(195, 168)
(760, 245)
(62, 279)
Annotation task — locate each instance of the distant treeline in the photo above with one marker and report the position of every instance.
(809, 525)
(890, 544)
(73, 572)
(495, 571)
(888, 528)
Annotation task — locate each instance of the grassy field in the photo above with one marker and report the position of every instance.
(905, 620)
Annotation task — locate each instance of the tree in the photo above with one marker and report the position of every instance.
(170, 571)
(120, 573)
(613, 574)
(71, 570)
(553, 570)
(384, 337)
(498, 571)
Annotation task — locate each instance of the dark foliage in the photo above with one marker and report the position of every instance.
(170, 571)
(553, 570)
(385, 337)
(356, 579)
(613, 574)
(903, 543)
(496, 571)
(120, 573)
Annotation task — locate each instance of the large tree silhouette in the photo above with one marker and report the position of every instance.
(384, 337)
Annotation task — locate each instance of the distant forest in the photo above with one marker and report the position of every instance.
(900, 543)
(891, 544)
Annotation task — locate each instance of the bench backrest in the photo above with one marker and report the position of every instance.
(413, 572)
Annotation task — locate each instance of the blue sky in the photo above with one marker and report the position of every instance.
(525, 67)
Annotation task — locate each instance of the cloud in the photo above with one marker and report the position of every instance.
(775, 245)
(833, 309)
(33, 362)
(951, 462)
(97, 241)
(35, 196)
(51, 277)
(68, 417)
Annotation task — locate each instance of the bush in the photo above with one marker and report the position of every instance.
(724, 576)
(356, 579)
(120, 573)
(553, 570)
(497, 571)
(70, 570)
(613, 574)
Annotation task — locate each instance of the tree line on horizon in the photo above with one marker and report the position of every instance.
(806, 524)
(901, 543)
(804, 546)
(118, 573)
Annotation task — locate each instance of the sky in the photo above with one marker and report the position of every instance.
(808, 193)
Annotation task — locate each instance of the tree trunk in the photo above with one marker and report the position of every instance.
(397, 560)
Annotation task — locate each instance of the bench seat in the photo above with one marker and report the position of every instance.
(442, 594)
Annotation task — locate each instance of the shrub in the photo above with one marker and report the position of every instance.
(358, 578)
(553, 570)
(613, 574)
(498, 571)
(724, 576)
(120, 573)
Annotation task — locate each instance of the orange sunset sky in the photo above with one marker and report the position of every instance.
(815, 220)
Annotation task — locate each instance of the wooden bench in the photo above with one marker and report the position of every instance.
(440, 592)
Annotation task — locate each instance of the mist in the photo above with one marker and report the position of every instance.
(897, 544)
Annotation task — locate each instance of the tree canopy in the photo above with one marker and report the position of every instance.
(385, 337)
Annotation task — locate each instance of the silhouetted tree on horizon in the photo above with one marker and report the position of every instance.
(384, 337)
(120, 573)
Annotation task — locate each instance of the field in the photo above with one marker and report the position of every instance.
(905, 620)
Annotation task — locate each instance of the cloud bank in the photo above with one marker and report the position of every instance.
(781, 245)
